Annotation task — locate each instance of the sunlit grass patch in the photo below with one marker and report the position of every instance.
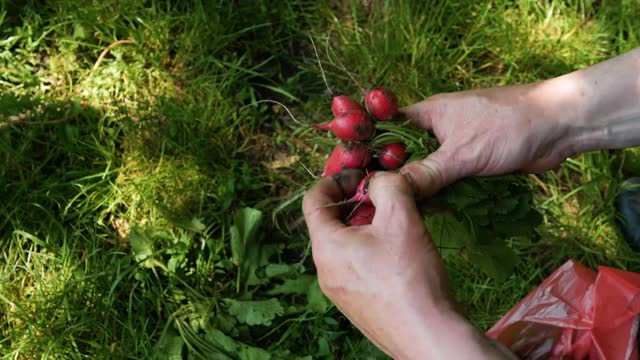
(121, 178)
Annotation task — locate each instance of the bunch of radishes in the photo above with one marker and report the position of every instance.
(355, 127)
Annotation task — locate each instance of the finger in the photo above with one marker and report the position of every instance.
(349, 180)
(319, 216)
(431, 174)
(394, 199)
(418, 113)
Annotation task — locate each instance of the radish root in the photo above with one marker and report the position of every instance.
(324, 77)
(106, 51)
(277, 103)
(329, 50)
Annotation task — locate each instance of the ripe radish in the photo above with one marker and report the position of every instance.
(374, 165)
(381, 103)
(348, 156)
(350, 126)
(362, 194)
(341, 104)
(392, 156)
(362, 215)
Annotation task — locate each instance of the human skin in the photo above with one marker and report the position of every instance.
(387, 277)
(528, 128)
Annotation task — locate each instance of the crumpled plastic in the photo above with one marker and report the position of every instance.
(575, 313)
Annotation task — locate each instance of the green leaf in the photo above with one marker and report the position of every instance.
(142, 247)
(283, 270)
(448, 233)
(316, 300)
(225, 322)
(230, 349)
(485, 235)
(194, 225)
(500, 184)
(505, 205)
(257, 257)
(523, 208)
(243, 233)
(297, 286)
(522, 226)
(255, 312)
(323, 347)
(140, 244)
(246, 252)
(465, 193)
(170, 346)
(496, 260)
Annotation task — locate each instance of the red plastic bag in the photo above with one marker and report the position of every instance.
(575, 313)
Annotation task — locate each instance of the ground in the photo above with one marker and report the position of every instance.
(149, 205)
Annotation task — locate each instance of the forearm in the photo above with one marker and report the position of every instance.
(600, 105)
(442, 334)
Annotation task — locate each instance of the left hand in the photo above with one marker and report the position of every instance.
(388, 277)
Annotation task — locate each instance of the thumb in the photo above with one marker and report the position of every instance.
(431, 174)
(419, 114)
(394, 199)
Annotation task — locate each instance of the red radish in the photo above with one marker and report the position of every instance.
(393, 156)
(381, 103)
(374, 165)
(348, 156)
(362, 215)
(362, 194)
(350, 126)
(341, 104)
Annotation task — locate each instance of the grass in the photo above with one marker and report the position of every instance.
(120, 180)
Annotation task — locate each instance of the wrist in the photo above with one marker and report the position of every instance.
(597, 106)
(559, 103)
(442, 333)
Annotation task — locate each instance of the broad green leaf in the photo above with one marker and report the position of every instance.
(481, 209)
(232, 349)
(142, 247)
(225, 322)
(465, 193)
(243, 232)
(255, 312)
(368, 351)
(323, 347)
(283, 270)
(258, 256)
(522, 226)
(500, 184)
(448, 233)
(297, 286)
(506, 205)
(316, 300)
(485, 236)
(247, 253)
(140, 244)
(496, 260)
(523, 208)
(194, 225)
(170, 346)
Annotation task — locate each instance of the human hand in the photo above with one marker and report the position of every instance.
(388, 277)
(491, 132)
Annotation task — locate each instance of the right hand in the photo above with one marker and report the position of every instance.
(489, 132)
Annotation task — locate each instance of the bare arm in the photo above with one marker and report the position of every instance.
(532, 127)
(388, 277)
(606, 99)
